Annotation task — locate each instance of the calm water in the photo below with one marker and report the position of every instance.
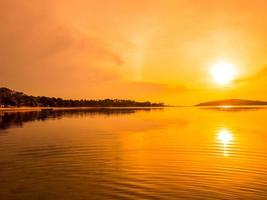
(172, 153)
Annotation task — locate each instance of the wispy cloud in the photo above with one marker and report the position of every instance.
(255, 77)
(37, 46)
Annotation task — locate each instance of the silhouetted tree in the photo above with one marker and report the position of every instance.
(12, 98)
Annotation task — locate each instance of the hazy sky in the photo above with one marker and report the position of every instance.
(143, 49)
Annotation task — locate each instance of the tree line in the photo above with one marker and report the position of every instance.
(10, 98)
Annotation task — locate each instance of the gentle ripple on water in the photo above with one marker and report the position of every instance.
(175, 153)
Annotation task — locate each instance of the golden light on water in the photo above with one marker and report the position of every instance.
(223, 72)
(225, 137)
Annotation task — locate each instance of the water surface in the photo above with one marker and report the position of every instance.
(171, 153)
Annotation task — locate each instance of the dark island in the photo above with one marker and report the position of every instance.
(234, 102)
(11, 98)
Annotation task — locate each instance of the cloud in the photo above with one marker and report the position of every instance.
(40, 52)
(31, 35)
(258, 76)
(139, 90)
(157, 87)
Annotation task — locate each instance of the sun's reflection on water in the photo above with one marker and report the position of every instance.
(225, 138)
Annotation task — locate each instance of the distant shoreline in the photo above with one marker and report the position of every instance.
(14, 99)
(233, 102)
(234, 106)
(68, 108)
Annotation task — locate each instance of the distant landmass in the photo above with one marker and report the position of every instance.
(233, 102)
(11, 98)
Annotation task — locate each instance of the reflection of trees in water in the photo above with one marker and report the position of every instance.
(9, 119)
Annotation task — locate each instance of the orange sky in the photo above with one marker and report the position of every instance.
(144, 49)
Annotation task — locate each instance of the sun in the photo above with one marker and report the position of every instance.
(223, 72)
